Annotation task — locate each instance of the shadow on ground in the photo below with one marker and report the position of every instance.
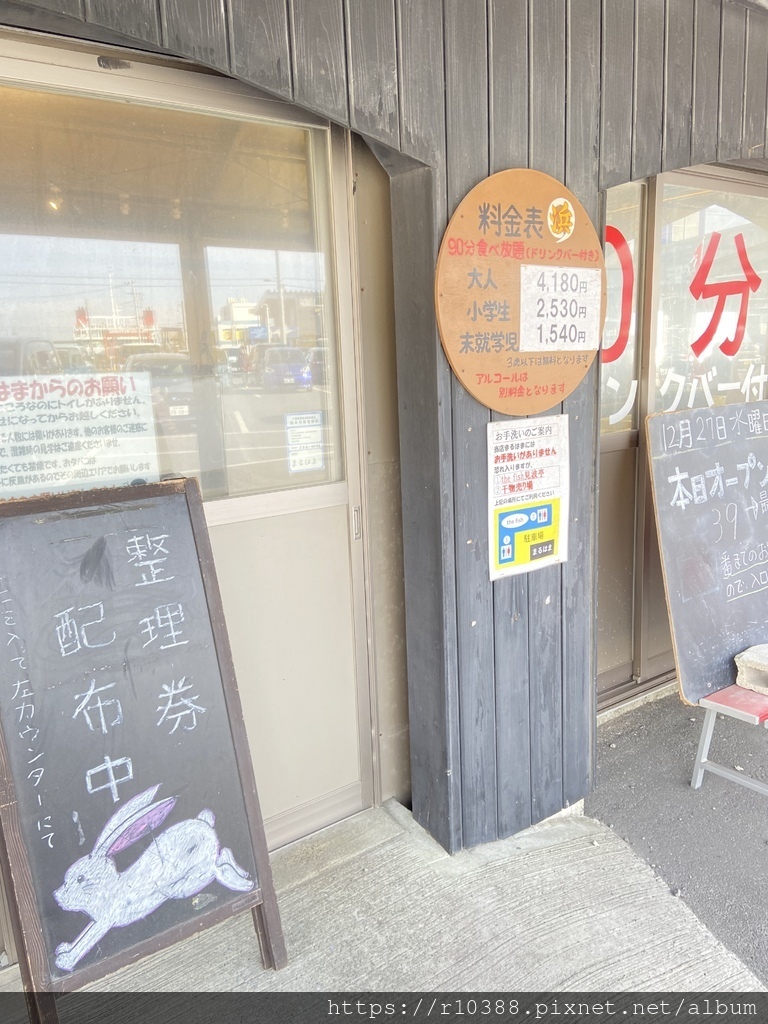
(709, 845)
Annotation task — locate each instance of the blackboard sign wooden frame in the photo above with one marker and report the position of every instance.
(709, 472)
(22, 838)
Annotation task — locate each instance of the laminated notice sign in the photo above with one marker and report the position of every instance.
(528, 491)
(304, 440)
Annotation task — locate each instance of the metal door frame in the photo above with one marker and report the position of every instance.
(645, 674)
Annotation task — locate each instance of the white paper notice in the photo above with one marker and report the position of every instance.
(528, 494)
(75, 432)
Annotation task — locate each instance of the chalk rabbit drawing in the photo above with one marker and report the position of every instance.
(180, 861)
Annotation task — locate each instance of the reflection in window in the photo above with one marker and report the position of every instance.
(623, 265)
(173, 252)
(275, 336)
(712, 299)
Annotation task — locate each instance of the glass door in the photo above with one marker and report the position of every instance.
(634, 643)
(176, 298)
(696, 336)
(619, 437)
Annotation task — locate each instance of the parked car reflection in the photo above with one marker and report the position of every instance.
(286, 368)
(172, 389)
(318, 366)
(21, 356)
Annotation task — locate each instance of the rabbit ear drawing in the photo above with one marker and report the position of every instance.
(132, 821)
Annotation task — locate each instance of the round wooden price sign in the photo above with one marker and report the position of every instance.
(520, 292)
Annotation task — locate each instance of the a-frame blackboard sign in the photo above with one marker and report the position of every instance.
(128, 809)
(709, 469)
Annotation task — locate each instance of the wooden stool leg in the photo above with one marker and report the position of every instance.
(701, 755)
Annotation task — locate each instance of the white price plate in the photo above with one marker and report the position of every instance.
(559, 308)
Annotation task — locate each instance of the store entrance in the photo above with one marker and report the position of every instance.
(634, 642)
(197, 247)
(687, 263)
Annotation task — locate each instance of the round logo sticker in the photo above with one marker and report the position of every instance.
(561, 219)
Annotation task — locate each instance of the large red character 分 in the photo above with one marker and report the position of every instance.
(701, 289)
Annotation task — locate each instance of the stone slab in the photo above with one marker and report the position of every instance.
(373, 905)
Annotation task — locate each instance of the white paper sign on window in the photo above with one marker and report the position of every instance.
(75, 432)
(304, 440)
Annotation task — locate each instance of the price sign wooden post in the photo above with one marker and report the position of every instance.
(520, 292)
(128, 809)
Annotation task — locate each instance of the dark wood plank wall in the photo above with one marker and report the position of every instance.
(319, 57)
(141, 19)
(198, 30)
(678, 85)
(68, 7)
(372, 61)
(649, 88)
(753, 132)
(616, 92)
(260, 47)
(466, 108)
(546, 152)
(732, 67)
(594, 92)
(508, 66)
(579, 580)
(706, 81)
(426, 445)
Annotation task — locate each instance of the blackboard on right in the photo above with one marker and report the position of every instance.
(709, 469)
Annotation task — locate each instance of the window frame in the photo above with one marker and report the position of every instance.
(61, 66)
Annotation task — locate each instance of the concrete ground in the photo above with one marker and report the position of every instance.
(709, 844)
(374, 905)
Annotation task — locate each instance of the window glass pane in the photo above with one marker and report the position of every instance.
(623, 265)
(712, 299)
(279, 384)
(166, 299)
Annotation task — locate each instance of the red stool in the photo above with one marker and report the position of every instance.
(737, 702)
